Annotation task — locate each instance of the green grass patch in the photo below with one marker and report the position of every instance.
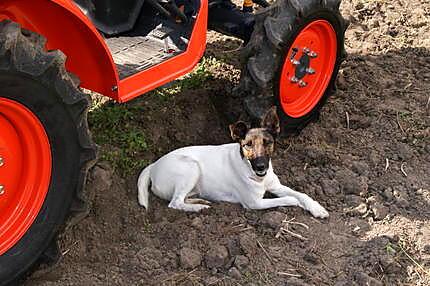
(114, 128)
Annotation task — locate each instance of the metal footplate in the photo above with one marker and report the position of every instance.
(133, 54)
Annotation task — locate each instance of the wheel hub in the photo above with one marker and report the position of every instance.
(308, 68)
(302, 66)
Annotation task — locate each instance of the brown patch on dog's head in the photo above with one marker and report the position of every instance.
(257, 144)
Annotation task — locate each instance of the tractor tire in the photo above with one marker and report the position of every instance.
(45, 151)
(288, 31)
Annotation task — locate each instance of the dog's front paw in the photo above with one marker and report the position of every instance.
(190, 207)
(317, 210)
(199, 207)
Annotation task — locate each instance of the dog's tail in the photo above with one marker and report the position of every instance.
(143, 187)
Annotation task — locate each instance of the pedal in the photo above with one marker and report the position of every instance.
(161, 32)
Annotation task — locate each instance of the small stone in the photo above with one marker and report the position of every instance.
(234, 273)
(247, 243)
(311, 257)
(360, 168)
(273, 219)
(380, 211)
(233, 247)
(217, 256)
(404, 203)
(190, 258)
(197, 223)
(355, 186)
(404, 151)
(351, 184)
(365, 280)
(330, 187)
(388, 194)
(241, 262)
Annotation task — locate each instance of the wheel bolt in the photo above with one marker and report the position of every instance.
(306, 50)
(1, 161)
(1, 190)
(310, 71)
(294, 79)
(295, 62)
(312, 54)
(302, 83)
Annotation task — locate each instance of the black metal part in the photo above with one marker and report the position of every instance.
(262, 3)
(157, 6)
(175, 11)
(301, 69)
(227, 18)
(112, 16)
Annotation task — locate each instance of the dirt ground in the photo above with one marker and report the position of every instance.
(372, 172)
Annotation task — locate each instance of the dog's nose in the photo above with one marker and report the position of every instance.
(260, 166)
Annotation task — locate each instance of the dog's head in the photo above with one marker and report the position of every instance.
(257, 144)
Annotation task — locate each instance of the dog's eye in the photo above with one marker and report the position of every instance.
(249, 144)
(267, 142)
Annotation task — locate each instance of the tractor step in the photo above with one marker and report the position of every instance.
(153, 40)
(134, 54)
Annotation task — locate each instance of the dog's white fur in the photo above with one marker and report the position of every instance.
(217, 173)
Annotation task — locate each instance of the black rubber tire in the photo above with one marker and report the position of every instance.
(38, 79)
(275, 29)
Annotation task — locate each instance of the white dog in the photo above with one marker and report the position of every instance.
(238, 173)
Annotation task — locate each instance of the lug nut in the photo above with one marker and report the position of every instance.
(1, 190)
(302, 83)
(306, 50)
(295, 62)
(310, 71)
(312, 54)
(1, 161)
(294, 79)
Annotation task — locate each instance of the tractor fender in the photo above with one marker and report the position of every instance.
(67, 29)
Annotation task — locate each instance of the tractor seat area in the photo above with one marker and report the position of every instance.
(153, 40)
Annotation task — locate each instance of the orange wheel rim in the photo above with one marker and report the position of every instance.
(25, 171)
(308, 68)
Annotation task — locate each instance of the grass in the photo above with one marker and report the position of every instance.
(116, 127)
(194, 80)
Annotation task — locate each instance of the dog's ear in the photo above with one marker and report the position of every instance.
(238, 130)
(270, 121)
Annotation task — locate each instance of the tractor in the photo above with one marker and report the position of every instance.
(51, 50)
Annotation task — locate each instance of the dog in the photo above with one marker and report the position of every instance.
(239, 172)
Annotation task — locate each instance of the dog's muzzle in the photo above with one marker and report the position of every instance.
(260, 165)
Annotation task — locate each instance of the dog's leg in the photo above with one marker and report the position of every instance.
(196, 201)
(183, 186)
(182, 204)
(304, 200)
(261, 204)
